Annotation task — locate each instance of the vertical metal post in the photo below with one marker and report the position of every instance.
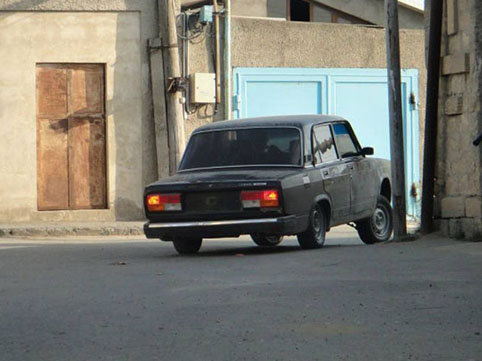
(396, 122)
(227, 60)
(431, 114)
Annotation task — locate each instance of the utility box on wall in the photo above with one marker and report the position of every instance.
(203, 88)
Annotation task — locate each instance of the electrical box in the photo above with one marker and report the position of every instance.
(203, 88)
(206, 14)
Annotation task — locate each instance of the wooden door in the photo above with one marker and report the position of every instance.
(71, 162)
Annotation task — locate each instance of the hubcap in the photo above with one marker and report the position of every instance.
(380, 223)
(316, 221)
(318, 225)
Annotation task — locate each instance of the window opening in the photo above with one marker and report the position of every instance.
(344, 142)
(299, 10)
(323, 145)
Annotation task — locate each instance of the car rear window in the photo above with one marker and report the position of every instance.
(243, 147)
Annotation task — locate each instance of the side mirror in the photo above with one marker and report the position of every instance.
(367, 151)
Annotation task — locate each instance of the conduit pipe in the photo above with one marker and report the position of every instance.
(227, 60)
(217, 50)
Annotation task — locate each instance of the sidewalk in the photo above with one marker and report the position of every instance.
(69, 229)
(65, 229)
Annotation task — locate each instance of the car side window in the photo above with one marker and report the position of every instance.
(344, 142)
(323, 145)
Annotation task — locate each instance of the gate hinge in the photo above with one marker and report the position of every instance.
(236, 102)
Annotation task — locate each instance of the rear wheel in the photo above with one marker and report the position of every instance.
(314, 236)
(377, 228)
(187, 245)
(266, 241)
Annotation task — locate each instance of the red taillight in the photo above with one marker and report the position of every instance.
(260, 199)
(164, 202)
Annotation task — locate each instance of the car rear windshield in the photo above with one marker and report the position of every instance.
(243, 147)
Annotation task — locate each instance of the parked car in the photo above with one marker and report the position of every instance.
(271, 177)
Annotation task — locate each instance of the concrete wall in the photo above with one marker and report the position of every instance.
(458, 188)
(114, 32)
(277, 43)
(257, 8)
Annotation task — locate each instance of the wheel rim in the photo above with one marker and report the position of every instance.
(318, 225)
(380, 223)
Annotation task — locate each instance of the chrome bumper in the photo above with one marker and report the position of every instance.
(225, 228)
(212, 223)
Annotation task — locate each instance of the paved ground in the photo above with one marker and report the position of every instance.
(133, 299)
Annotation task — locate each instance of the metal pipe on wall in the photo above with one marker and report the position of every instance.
(227, 60)
(217, 50)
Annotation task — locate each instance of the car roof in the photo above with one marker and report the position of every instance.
(299, 121)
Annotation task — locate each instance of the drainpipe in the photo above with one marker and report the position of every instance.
(227, 60)
(431, 115)
(218, 51)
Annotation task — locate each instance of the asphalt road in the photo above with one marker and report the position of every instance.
(133, 299)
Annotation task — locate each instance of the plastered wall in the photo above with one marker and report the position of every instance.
(28, 38)
(277, 43)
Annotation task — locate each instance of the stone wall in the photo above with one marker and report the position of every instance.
(458, 206)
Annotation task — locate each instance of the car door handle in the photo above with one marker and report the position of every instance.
(325, 172)
(350, 166)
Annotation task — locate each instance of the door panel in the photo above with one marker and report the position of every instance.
(336, 181)
(52, 165)
(87, 163)
(71, 152)
(287, 97)
(52, 92)
(87, 88)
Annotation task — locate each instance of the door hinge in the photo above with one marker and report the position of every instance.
(236, 102)
(413, 101)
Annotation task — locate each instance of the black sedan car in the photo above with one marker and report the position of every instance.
(271, 177)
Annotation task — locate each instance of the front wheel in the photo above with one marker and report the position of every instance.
(314, 236)
(378, 227)
(186, 245)
(266, 241)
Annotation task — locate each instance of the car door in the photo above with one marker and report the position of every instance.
(334, 173)
(362, 180)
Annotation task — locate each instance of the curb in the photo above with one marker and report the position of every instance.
(76, 230)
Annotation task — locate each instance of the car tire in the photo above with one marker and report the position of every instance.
(314, 236)
(187, 245)
(266, 240)
(377, 228)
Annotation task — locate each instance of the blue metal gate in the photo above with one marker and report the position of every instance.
(359, 95)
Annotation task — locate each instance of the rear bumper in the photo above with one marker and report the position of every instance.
(226, 228)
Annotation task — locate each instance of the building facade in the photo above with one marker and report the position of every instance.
(81, 80)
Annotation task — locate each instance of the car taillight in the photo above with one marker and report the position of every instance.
(260, 199)
(164, 202)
